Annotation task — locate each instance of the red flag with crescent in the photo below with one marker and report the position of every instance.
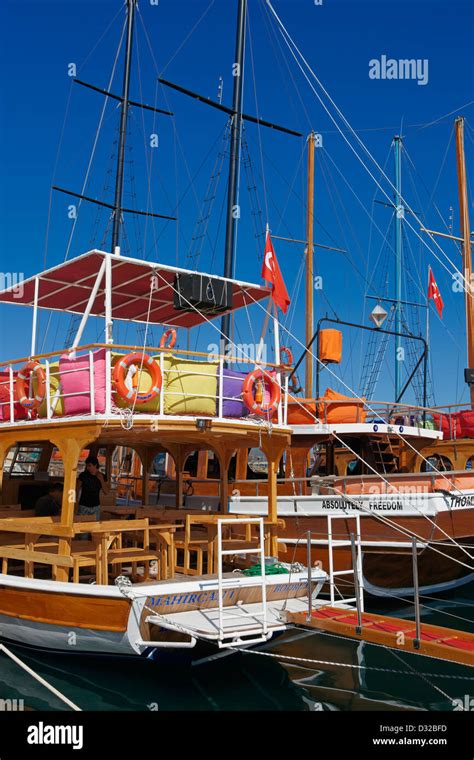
(433, 292)
(271, 272)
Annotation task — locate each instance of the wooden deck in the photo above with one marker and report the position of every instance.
(435, 641)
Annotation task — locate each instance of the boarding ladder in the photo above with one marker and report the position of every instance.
(254, 634)
(355, 571)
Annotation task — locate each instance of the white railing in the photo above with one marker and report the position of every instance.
(373, 412)
(261, 632)
(355, 570)
(9, 403)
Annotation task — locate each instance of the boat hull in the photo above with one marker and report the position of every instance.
(108, 620)
(387, 562)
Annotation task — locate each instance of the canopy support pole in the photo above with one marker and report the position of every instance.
(108, 333)
(35, 318)
(89, 306)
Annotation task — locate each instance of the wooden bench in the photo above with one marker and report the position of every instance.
(16, 512)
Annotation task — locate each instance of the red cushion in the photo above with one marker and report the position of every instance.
(19, 412)
(459, 644)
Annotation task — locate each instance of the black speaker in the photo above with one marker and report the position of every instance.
(207, 294)
(469, 376)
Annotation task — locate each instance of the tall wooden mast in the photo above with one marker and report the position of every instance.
(399, 212)
(309, 267)
(466, 244)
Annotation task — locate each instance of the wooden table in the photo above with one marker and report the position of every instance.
(120, 511)
(110, 530)
(106, 532)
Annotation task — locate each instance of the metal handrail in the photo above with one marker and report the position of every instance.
(89, 348)
(137, 348)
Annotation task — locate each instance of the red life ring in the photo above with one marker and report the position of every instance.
(23, 377)
(262, 410)
(148, 364)
(171, 332)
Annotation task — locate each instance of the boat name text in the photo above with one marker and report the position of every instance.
(361, 505)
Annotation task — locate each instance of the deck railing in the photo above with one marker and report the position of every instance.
(11, 410)
(399, 415)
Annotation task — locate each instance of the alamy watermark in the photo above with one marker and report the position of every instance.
(12, 281)
(465, 703)
(247, 353)
(402, 68)
(12, 705)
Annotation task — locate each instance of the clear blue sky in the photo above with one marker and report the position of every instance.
(40, 39)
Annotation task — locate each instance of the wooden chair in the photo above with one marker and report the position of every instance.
(191, 541)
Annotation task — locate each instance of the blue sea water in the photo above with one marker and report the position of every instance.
(327, 673)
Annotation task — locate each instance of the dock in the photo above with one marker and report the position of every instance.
(430, 640)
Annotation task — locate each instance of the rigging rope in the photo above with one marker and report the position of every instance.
(344, 443)
(293, 47)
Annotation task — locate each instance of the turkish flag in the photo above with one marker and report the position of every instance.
(271, 273)
(433, 292)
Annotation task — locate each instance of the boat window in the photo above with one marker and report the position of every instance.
(257, 465)
(436, 462)
(213, 468)
(231, 472)
(56, 467)
(191, 464)
(470, 463)
(353, 467)
(22, 461)
(159, 465)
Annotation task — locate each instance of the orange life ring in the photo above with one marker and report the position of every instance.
(294, 383)
(166, 335)
(23, 377)
(147, 363)
(288, 354)
(252, 404)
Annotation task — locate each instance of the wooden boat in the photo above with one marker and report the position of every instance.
(54, 611)
(176, 581)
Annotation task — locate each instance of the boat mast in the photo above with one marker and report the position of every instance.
(117, 213)
(466, 244)
(235, 141)
(309, 266)
(399, 214)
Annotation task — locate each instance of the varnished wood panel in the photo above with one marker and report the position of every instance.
(97, 613)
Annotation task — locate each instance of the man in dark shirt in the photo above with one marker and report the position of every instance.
(50, 504)
(91, 482)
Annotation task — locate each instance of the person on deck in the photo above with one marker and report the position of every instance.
(90, 483)
(49, 505)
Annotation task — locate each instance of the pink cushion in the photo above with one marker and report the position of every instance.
(79, 382)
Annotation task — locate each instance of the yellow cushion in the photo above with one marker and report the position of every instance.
(54, 382)
(190, 386)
